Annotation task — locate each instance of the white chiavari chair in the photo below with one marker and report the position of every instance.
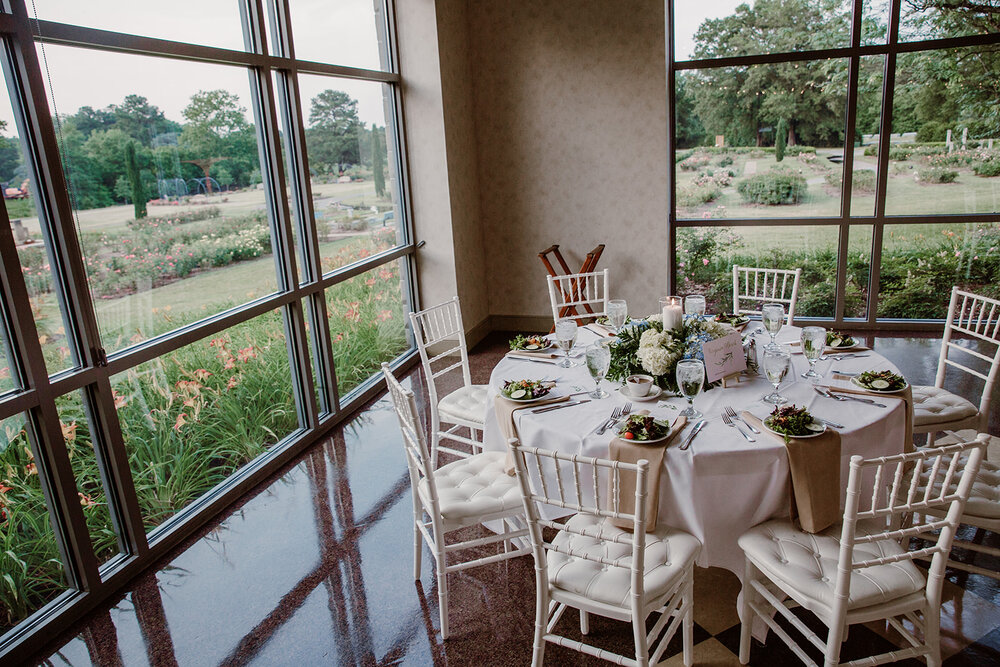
(441, 327)
(463, 493)
(857, 571)
(753, 287)
(579, 295)
(596, 567)
(936, 409)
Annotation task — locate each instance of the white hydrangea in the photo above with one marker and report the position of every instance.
(656, 317)
(716, 329)
(655, 360)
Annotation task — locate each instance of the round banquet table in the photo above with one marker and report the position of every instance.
(722, 485)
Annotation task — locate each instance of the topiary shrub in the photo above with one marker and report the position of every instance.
(773, 188)
(936, 175)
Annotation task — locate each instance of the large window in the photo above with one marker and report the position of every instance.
(778, 105)
(207, 260)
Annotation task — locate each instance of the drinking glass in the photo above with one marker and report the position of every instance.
(776, 364)
(773, 316)
(598, 359)
(617, 313)
(565, 337)
(694, 305)
(690, 378)
(813, 340)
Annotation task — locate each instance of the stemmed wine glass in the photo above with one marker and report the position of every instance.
(617, 313)
(690, 378)
(694, 305)
(776, 364)
(813, 342)
(598, 360)
(773, 316)
(565, 337)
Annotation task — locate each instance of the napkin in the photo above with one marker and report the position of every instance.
(535, 355)
(848, 387)
(814, 471)
(505, 410)
(630, 451)
(600, 329)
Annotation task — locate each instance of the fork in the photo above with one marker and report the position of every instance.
(626, 411)
(732, 415)
(729, 422)
(837, 397)
(841, 357)
(615, 414)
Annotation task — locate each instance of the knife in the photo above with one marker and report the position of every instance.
(697, 427)
(549, 408)
(827, 422)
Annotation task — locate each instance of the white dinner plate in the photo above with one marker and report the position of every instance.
(548, 346)
(844, 348)
(527, 401)
(654, 393)
(797, 437)
(857, 383)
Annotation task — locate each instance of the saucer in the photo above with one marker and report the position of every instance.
(654, 393)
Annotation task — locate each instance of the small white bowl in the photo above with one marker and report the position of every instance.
(638, 385)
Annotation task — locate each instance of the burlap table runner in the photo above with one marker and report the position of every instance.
(505, 409)
(814, 470)
(848, 387)
(630, 451)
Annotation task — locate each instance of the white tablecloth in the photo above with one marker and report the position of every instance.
(722, 485)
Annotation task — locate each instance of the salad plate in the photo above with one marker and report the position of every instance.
(793, 422)
(527, 391)
(840, 342)
(530, 344)
(644, 429)
(880, 382)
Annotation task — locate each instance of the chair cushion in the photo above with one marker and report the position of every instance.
(668, 552)
(932, 405)
(984, 501)
(467, 403)
(475, 486)
(807, 564)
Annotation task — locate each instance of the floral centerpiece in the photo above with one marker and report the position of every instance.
(644, 347)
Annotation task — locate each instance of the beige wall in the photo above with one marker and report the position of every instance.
(532, 123)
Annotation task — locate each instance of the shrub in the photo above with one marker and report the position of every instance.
(800, 150)
(780, 140)
(695, 162)
(726, 161)
(680, 156)
(900, 153)
(184, 218)
(936, 175)
(773, 188)
(987, 168)
(932, 130)
(863, 180)
(871, 149)
(694, 195)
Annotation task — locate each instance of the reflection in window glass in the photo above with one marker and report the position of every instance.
(875, 22)
(194, 21)
(705, 258)
(771, 138)
(725, 28)
(355, 183)
(937, 19)
(194, 417)
(920, 263)
(346, 32)
(367, 323)
(29, 557)
(164, 181)
(945, 156)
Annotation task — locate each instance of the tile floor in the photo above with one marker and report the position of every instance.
(314, 567)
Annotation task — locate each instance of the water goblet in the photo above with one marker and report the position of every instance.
(773, 317)
(813, 341)
(690, 378)
(565, 337)
(694, 305)
(598, 360)
(617, 313)
(776, 362)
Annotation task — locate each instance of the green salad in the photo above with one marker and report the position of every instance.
(837, 339)
(792, 422)
(529, 343)
(881, 380)
(526, 390)
(643, 427)
(732, 319)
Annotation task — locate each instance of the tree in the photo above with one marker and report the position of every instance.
(689, 131)
(377, 163)
(135, 181)
(10, 158)
(217, 129)
(780, 140)
(334, 130)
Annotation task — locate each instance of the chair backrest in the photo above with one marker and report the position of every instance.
(753, 287)
(414, 442)
(566, 482)
(932, 479)
(579, 295)
(977, 317)
(441, 326)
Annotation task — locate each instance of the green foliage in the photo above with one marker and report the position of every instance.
(862, 180)
(780, 140)
(378, 162)
(936, 175)
(772, 188)
(988, 168)
(21, 208)
(726, 160)
(932, 131)
(691, 196)
(334, 130)
(135, 181)
(695, 161)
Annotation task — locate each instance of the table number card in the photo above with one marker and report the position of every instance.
(724, 356)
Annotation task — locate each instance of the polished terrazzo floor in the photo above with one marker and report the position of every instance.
(314, 567)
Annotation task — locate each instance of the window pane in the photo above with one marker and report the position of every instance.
(192, 418)
(921, 263)
(705, 258)
(945, 123)
(936, 19)
(209, 23)
(859, 260)
(875, 22)
(749, 171)
(367, 323)
(346, 32)
(724, 28)
(871, 72)
(350, 145)
(29, 557)
(202, 243)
